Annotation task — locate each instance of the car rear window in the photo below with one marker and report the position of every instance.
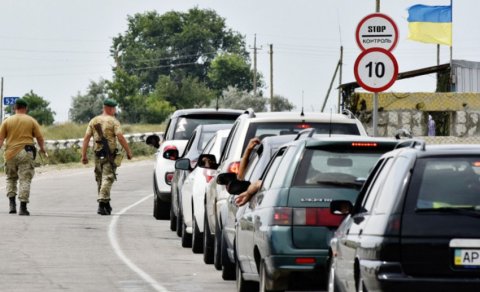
(335, 168)
(452, 182)
(186, 125)
(262, 130)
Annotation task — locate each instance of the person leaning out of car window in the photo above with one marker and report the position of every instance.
(244, 197)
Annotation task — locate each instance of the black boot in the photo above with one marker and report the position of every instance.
(13, 206)
(101, 208)
(23, 209)
(108, 208)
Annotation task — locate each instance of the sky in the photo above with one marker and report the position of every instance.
(56, 48)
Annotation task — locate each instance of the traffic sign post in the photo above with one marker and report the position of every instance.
(376, 69)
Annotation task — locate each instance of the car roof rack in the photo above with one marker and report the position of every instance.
(412, 143)
(307, 133)
(250, 112)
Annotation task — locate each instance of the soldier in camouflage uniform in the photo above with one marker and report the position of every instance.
(105, 169)
(18, 131)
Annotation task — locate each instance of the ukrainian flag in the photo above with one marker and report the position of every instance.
(430, 24)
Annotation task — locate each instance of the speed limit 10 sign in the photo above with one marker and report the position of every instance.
(376, 69)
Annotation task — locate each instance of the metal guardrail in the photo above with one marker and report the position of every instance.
(77, 143)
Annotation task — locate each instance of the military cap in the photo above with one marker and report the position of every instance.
(21, 102)
(110, 102)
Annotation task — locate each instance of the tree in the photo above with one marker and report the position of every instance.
(230, 70)
(175, 51)
(85, 107)
(281, 103)
(238, 99)
(39, 108)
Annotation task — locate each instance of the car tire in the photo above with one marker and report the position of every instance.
(208, 241)
(332, 284)
(265, 282)
(186, 237)
(197, 237)
(161, 210)
(242, 284)
(173, 220)
(217, 247)
(179, 223)
(228, 268)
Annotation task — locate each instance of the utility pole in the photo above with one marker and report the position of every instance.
(340, 64)
(271, 77)
(255, 65)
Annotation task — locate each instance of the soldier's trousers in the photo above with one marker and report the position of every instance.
(20, 169)
(104, 175)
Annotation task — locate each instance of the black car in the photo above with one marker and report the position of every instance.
(415, 225)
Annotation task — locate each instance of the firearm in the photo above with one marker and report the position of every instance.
(105, 152)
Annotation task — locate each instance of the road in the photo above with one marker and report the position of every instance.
(65, 245)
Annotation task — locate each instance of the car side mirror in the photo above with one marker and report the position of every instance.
(183, 164)
(237, 187)
(341, 207)
(153, 140)
(226, 178)
(207, 161)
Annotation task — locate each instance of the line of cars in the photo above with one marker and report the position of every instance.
(310, 170)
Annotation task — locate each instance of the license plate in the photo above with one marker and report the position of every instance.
(467, 257)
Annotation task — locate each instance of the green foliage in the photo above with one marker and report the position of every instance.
(85, 107)
(237, 99)
(163, 62)
(230, 70)
(281, 104)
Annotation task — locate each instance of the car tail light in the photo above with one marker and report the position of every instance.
(303, 126)
(234, 167)
(282, 216)
(169, 178)
(316, 217)
(170, 152)
(209, 174)
(364, 144)
(305, 261)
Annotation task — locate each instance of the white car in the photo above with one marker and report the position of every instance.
(194, 189)
(250, 125)
(179, 129)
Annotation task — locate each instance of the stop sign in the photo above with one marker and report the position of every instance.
(377, 30)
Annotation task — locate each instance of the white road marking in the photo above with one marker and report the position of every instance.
(118, 250)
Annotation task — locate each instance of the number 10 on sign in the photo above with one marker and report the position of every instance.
(376, 69)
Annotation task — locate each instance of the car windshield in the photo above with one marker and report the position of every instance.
(186, 125)
(452, 182)
(262, 130)
(335, 168)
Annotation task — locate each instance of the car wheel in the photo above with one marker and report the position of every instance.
(242, 285)
(179, 223)
(228, 268)
(332, 285)
(173, 220)
(208, 242)
(217, 250)
(197, 238)
(265, 282)
(186, 237)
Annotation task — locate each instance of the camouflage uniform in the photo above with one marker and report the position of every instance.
(104, 171)
(20, 168)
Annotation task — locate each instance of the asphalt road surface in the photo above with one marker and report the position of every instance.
(65, 246)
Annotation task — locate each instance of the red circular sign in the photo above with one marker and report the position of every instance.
(377, 30)
(376, 69)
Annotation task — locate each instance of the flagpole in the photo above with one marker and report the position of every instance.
(451, 49)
